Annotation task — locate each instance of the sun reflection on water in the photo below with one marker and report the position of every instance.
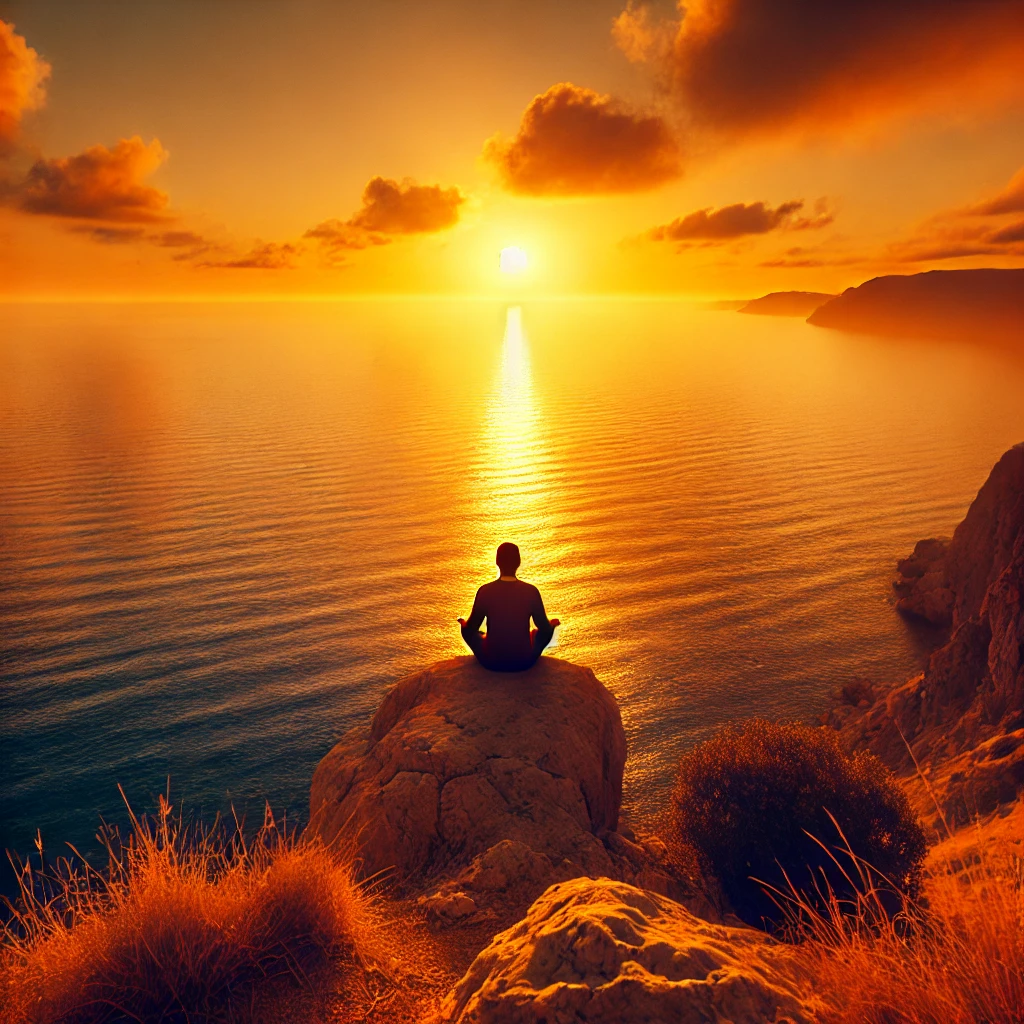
(512, 473)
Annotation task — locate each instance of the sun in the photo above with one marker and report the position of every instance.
(512, 260)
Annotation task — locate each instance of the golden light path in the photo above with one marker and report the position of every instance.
(513, 472)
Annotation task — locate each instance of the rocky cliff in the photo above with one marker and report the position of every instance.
(962, 720)
(975, 305)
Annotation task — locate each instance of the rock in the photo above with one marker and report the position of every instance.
(608, 953)
(446, 908)
(458, 759)
(972, 692)
(922, 587)
(982, 545)
(505, 865)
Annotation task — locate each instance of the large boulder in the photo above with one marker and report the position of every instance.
(518, 770)
(607, 953)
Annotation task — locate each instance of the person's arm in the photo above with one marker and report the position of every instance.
(540, 617)
(476, 617)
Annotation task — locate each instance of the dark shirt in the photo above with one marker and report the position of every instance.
(508, 606)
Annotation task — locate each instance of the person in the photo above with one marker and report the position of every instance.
(508, 604)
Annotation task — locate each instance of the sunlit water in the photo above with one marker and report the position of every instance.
(226, 529)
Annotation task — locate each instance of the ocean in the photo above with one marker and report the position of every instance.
(226, 528)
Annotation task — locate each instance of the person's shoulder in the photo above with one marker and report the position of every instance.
(529, 586)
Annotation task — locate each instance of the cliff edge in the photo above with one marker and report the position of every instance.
(962, 720)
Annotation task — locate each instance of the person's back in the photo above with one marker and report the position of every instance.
(508, 604)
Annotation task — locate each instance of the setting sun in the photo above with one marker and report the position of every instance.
(512, 260)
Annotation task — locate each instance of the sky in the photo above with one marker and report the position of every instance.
(718, 149)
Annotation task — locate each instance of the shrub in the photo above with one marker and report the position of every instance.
(760, 805)
(184, 925)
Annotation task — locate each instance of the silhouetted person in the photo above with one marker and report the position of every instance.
(508, 604)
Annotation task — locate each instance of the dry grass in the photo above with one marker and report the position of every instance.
(954, 956)
(184, 925)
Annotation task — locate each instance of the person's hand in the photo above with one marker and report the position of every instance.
(462, 622)
(555, 622)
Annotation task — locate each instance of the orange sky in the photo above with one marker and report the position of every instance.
(319, 148)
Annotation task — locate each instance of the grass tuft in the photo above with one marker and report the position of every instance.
(953, 956)
(185, 924)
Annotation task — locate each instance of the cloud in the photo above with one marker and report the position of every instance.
(1010, 200)
(988, 228)
(262, 256)
(407, 209)
(575, 142)
(389, 209)
(99, 184)
(23, 74)
(741, 67)
(111, 235)
(737, 221)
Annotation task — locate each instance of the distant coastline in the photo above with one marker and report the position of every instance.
(786, 303)
(940, 304)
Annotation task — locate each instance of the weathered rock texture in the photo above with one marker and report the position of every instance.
(921, 585)
(458, 761)
(963, 718)
(604, 952)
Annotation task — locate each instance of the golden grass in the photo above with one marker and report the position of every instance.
(955, 956)
(184, 925)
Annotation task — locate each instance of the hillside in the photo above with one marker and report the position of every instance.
(982, 305)
(786, 303)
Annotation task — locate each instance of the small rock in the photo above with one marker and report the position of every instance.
(446, 908)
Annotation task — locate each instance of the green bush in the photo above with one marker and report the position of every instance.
(746, 800)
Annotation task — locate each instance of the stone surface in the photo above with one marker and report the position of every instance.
(458, 760)
(922, 589)
(958, 722)
(603, 952)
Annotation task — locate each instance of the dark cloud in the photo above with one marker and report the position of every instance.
(573, 141)
(99, 184)
(23, 74)
(746, 66)
(262, 256)
(407, 209)
(178, 240)
(1010, 200)
(111, 235)
(738, 220)
(987, 228)
(389, 209)
(1008, 235)
(337, 237)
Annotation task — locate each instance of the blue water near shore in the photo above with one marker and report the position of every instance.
(225, 529)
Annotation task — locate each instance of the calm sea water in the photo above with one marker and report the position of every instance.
(225, 529)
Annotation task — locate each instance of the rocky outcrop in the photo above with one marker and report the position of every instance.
(605, 952)
(786, 303)
(973, 305)
(465, 771)
(962, 720)
(921, 586)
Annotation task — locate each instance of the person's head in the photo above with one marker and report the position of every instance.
(508, 559)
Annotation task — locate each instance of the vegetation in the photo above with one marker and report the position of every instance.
(962, 962)
(778, 805)
(184, 925)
